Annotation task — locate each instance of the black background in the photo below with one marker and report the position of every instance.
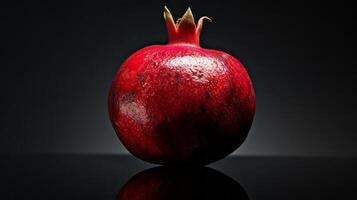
(59, 58)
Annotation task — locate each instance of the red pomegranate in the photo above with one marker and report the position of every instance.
(179, 103)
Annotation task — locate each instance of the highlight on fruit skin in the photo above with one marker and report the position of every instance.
(179, 103)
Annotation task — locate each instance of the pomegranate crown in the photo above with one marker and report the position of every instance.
(184, 30)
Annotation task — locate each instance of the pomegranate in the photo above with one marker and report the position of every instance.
(179, 103)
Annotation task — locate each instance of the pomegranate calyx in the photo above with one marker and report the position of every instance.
(185, 29)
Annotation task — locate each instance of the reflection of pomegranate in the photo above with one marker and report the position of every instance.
(180, 103)
(162, 183)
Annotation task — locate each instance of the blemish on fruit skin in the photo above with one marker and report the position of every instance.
(224, 56)
(128, 97)
(177, 79)
(140, 77)
(207, 95)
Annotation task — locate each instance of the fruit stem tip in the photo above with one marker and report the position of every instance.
(185, 29)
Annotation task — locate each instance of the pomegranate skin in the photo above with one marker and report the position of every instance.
(175, 104)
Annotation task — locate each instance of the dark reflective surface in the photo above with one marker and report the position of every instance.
(162, 183)
(106, 176)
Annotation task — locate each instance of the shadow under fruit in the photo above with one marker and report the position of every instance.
(179, 103)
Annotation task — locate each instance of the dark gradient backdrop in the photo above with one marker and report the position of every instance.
(59, 58)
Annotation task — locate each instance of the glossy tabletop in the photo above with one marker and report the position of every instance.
(125, 177)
